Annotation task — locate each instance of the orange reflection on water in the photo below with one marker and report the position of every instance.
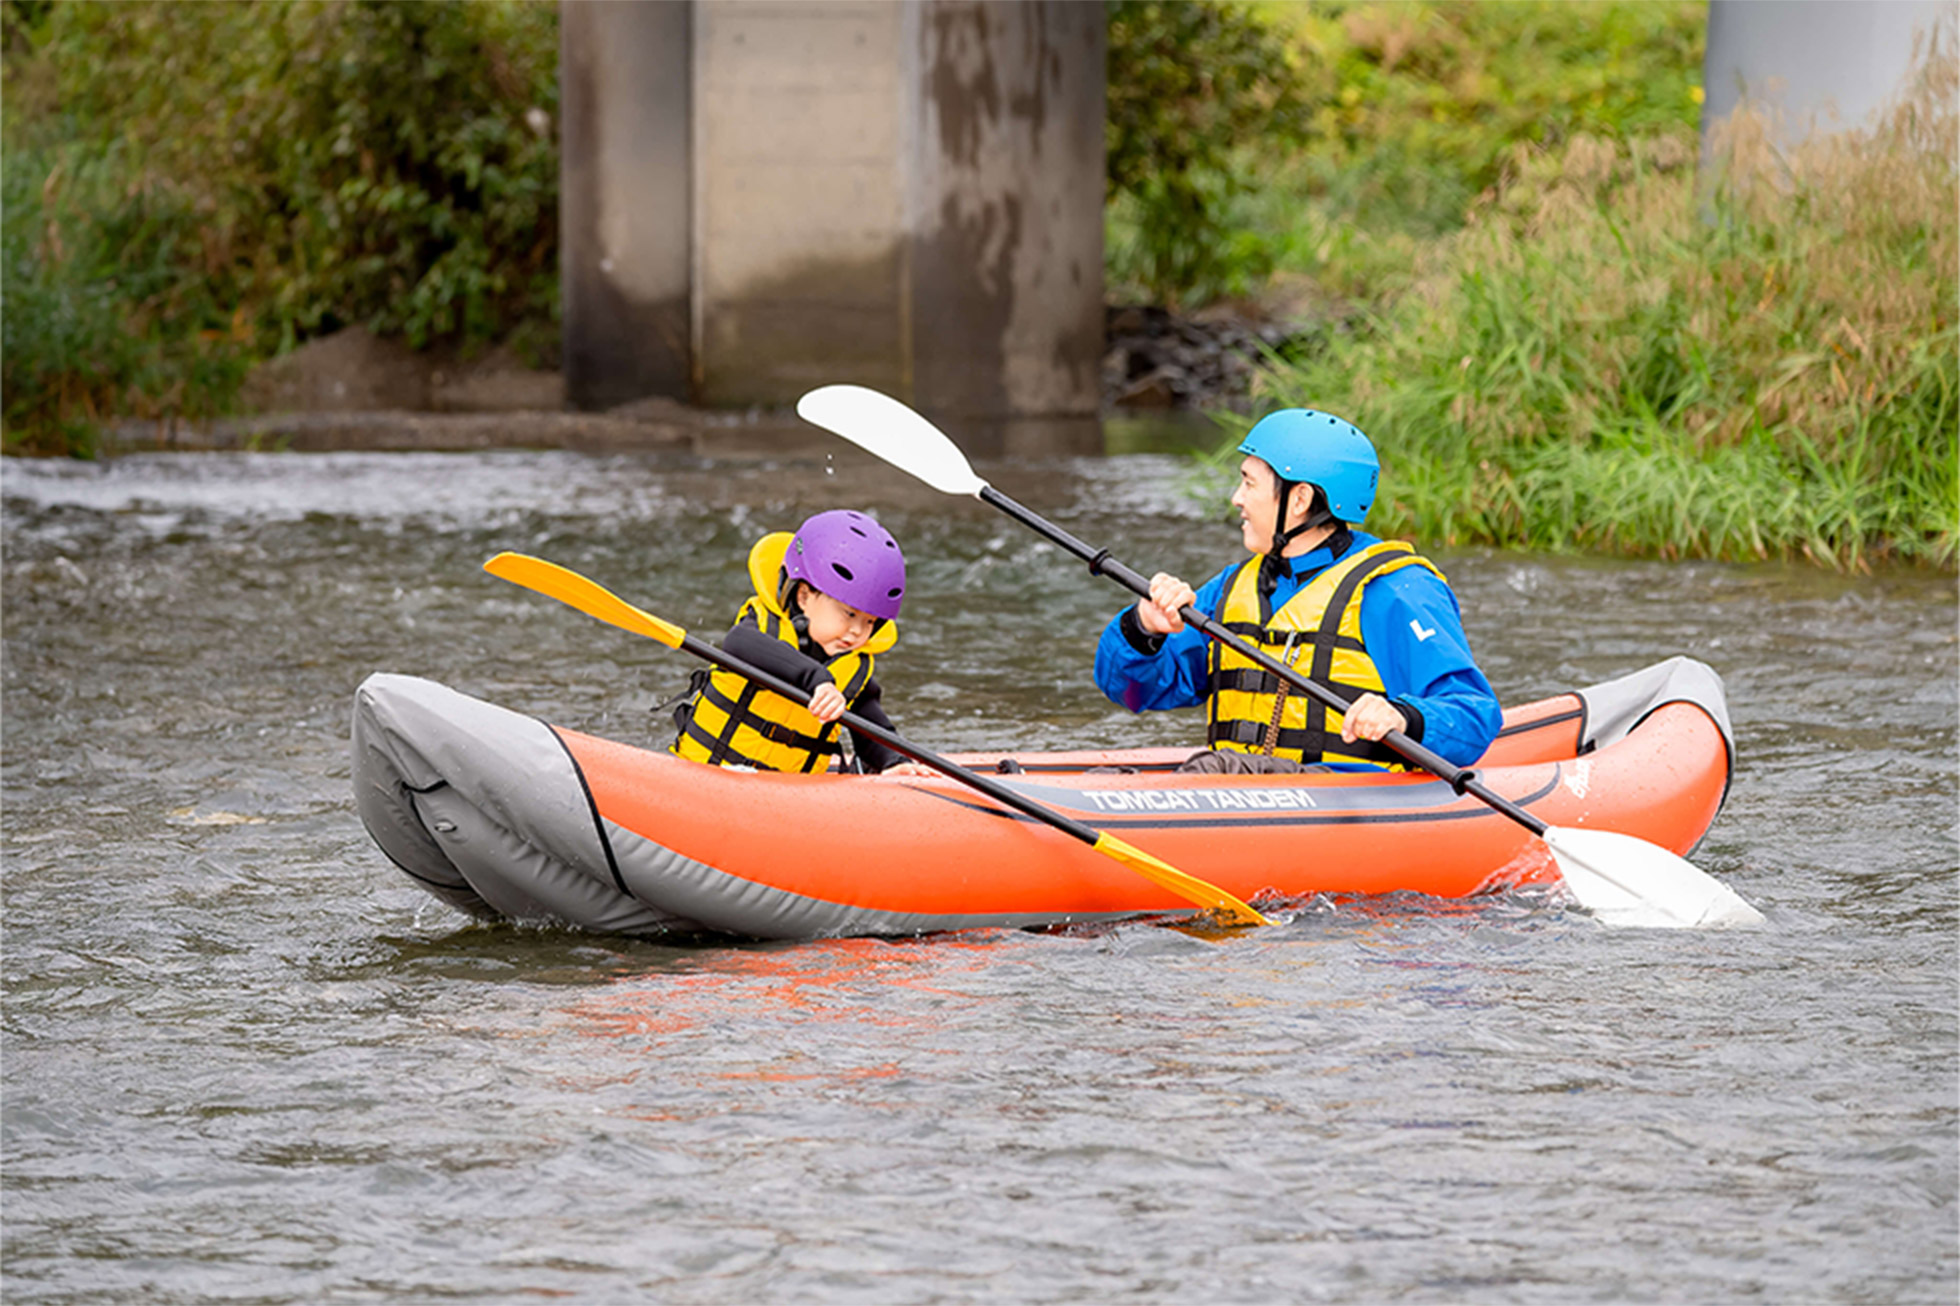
(730, 1031)
(832, 981)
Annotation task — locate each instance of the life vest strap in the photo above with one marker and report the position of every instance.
(774, 731)
(1322, 667)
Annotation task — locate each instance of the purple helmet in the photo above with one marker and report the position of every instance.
(851, 558)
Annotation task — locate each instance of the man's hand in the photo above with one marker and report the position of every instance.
(1371, 717)
(1159, 614)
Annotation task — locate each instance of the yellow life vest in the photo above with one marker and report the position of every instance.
(732, 721)
(1318, 631)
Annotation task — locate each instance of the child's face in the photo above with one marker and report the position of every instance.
(835, 626)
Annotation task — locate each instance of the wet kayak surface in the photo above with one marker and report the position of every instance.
(247, 1061)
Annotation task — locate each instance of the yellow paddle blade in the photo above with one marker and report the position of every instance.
(588, 596)
(1188, 887)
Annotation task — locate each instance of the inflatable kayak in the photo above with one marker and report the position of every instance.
(503, 816)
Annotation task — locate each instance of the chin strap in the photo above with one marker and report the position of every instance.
(799, 621)
(1274, 564)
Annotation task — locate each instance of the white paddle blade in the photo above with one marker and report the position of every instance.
(887, 429)
(1627, 881)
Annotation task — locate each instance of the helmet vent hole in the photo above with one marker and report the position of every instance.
(842, 570)
(859, 530)
(894, 592)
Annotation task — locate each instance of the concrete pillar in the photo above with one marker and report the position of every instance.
(625, 201)
(905, 195)
(1006, 231)
(1819, 64)
(802, 142)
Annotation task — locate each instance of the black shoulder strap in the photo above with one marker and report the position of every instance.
(1326, 638)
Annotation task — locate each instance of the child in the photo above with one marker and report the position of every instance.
(823, 608)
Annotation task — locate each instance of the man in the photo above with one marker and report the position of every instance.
(1372, 620)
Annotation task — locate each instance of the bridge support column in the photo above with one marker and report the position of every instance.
(1818, 64)
(905, 195)
(625, 204)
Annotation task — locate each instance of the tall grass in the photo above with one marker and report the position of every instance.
(1411, 109)
(1758, 358)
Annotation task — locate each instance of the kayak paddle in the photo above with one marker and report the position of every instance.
(595, 600)
(1621, 879)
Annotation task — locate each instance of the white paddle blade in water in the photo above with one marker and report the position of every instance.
(1627, 881)
(887, 429)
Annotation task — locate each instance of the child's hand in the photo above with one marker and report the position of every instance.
(907, 768)
(827, 704)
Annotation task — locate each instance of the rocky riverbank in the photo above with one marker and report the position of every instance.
(353, 390)
(1156, 359)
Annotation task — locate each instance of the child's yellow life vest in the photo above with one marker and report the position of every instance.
(732, 721)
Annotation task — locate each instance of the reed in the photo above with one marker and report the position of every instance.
(1757, 357)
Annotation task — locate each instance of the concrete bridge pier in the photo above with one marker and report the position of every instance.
(763, 197)
(1818, 65)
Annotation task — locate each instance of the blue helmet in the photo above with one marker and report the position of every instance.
(1315, 448)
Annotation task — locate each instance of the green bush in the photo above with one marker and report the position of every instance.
(99, 318)
(1417, 106)
(218, 181)
(1194, 87)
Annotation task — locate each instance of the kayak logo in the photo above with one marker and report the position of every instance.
(1199, 800)
(1579, 778)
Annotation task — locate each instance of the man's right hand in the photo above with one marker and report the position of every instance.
(1160, 613)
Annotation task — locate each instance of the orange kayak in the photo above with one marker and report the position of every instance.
(502, 815)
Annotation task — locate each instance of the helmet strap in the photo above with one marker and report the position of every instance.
(799, 620)
(1274, 563)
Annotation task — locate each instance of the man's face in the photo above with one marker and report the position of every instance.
(1257, 500)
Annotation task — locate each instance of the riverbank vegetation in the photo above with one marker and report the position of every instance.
(1486, 223)
(1293, 152)
(1753, 358)
(190, 188)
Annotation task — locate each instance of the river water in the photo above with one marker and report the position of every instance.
(246, 1061)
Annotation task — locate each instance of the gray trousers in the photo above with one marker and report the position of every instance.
(1214, 762)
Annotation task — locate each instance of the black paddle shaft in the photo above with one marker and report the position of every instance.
(1000, 793)
(1460, 778)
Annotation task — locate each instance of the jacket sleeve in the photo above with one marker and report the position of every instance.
(1145, 673)
(769, 654)
(1414, 632)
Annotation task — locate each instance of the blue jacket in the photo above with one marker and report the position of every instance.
(1410, 624)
